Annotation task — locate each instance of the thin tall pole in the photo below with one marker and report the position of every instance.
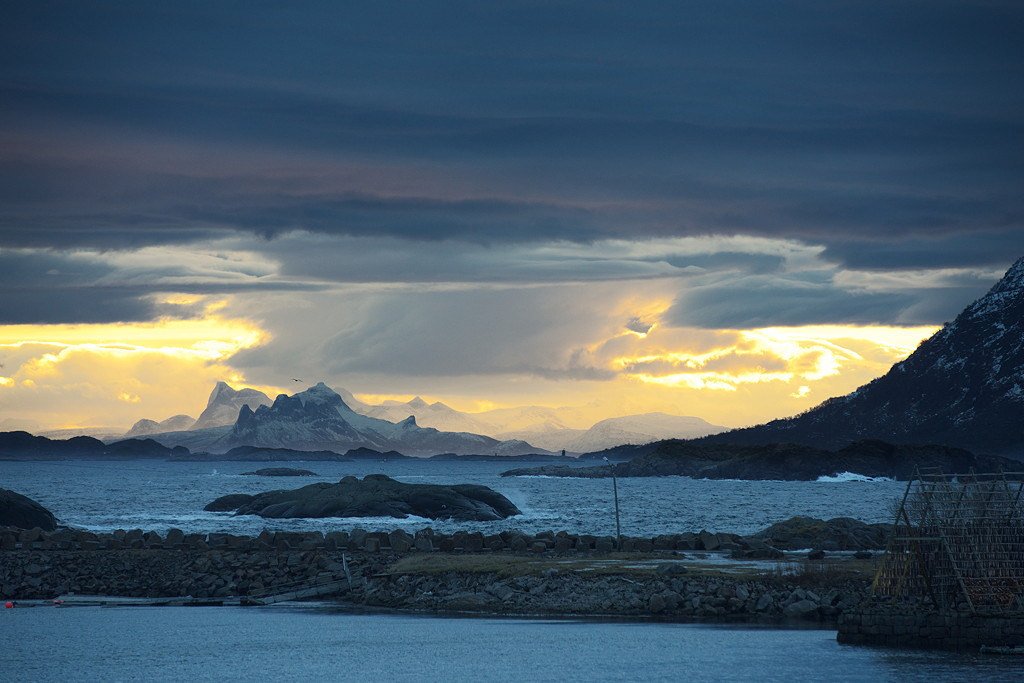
(618, 526)
(615, 490)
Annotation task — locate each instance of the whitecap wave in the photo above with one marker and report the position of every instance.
(849, 476)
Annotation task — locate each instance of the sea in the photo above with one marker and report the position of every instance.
(321, 641)
(158, 495)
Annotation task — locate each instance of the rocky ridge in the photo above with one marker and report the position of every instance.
(962, 387)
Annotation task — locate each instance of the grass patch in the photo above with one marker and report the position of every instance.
(508, 565)
(807, 574)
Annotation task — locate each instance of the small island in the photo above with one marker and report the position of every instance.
(281, 472)
(376, 495)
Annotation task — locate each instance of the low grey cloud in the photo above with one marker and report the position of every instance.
(534, 331)
(762, 302)
(875, 129)
(47, 286)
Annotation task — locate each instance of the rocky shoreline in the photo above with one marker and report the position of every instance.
(702, 459)
(662, 592)
(551, 574)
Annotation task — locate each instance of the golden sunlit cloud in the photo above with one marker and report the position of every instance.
(64, 376)
(778, 354)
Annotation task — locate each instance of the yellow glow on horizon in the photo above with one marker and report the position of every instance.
(810, 353)
(211, 337)
(110, 375)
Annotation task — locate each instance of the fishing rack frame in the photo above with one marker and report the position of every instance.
(957, 543)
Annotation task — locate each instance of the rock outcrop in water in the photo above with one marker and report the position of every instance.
(229, 503)
(787, 462)
(281, 472)
(22, 512)
(377, 495)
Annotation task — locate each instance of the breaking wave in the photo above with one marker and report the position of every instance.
(850, 476)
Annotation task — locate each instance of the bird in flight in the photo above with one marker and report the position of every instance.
(297, 380)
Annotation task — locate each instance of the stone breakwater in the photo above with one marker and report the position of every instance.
(632, 594)
(555, 573)
(399, 541)
(37, 574)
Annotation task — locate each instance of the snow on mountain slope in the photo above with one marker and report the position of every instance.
(318, 418)
(640, 429)
(616, 431)
(145, 427)
(225, 402)
(436, 415)
(544, 427)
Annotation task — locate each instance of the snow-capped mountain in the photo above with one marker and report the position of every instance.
(616, 431)
(436, 415)
(640, 429)
(145, 427)
(434, 428)
(318, 418)
(543, 427)
(225, 402)
(962, 387)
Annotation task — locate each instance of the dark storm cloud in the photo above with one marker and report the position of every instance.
(763, 302)
(872, 128)
(43, 288)
(54, 287)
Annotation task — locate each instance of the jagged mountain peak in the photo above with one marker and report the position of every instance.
(318, 418)
(319, 393)
(224, 404)
(220, 390)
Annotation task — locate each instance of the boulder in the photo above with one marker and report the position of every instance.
(377, 495)
(22, 512)
(708, 540)
(841, 533)
(401, 541)
(802, 609)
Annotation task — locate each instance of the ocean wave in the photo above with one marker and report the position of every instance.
(850, 476)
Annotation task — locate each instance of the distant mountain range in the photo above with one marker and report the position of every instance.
(962, 387)
(527, 429)
(221, 409)
(320, 419)
(614, 431)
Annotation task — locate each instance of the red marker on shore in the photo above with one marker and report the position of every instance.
(9, 604)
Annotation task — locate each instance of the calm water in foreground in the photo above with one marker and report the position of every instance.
(318, 643)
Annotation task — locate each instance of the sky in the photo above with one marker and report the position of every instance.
(733, 210)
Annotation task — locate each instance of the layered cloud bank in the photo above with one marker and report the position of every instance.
(613, 341)
(726, 211)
